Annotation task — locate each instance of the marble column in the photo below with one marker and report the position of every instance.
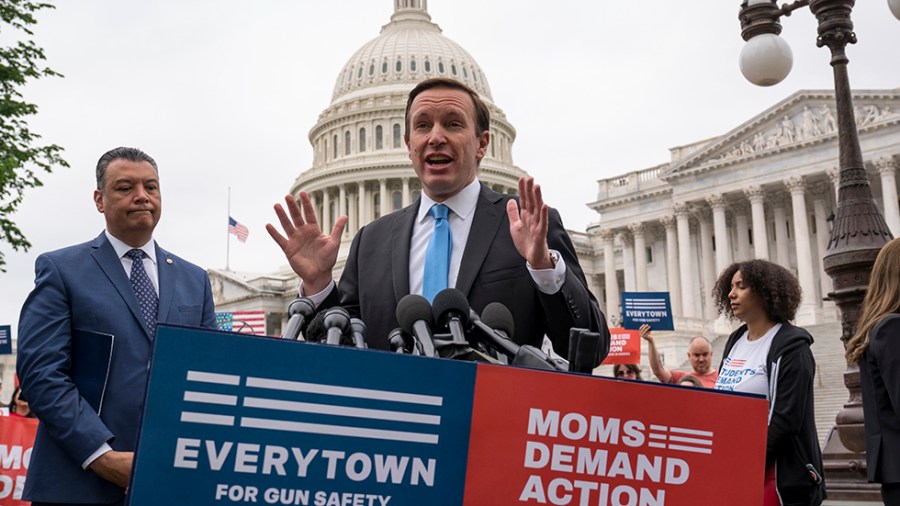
(363, 209)
(887, 169)
(640, 256)
(314, 200)
(673, 277)
(384, 197)
(684, 258)
(758, 214)
(779, 214)
(627, 260)
(609, 271)
(720, 226)
(834, 175)
(742, 230)
(826, 285)
(797, 187)
(352, 215)
(407, 196)
(326, 212)
(708, 270)
(342, 205)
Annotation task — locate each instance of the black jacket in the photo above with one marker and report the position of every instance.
(879, 373)
(792, 443)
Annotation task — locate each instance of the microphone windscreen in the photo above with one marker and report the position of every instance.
(499, 317)
(315, 331)
(302, 305)
(412, 308)
(450, 301)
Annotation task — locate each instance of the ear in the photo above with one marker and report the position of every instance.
(483, 142)
(98, 200)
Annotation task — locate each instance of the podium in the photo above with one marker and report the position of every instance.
(233, 419)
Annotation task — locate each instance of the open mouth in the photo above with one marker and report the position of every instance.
(438, 160)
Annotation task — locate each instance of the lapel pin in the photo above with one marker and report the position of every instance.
(169, 261)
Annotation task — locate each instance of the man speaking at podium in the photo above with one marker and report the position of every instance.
(460, 234)
(85, 335)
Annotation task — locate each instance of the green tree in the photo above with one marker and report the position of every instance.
(22, 157)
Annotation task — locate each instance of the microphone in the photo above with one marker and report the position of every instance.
(401, 342)
(315, 330)
(300, 311)
(414, 315)
(358, 332)
(337, 323)
(451, 312)
(584, 350)
(498, 317)
(494, 338)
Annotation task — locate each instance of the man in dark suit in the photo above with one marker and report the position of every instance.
(120, 284)
(501, 249)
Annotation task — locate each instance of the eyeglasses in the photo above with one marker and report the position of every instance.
(625, 372)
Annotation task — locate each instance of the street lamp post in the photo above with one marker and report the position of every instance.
(859, 229)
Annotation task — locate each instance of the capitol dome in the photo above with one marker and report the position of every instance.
(361, 168)
(409, 49)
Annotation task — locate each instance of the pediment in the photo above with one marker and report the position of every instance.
(805, 118)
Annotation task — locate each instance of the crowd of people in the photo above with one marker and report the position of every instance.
(493, 247)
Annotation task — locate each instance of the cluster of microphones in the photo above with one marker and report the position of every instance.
(448, 328)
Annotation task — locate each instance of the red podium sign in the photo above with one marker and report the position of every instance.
(16, 440)
(548, 438)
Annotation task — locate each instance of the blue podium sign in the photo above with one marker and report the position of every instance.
(652, 308)
(235, 419)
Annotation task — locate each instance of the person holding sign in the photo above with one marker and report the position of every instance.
(86, 332)
(699, 353)
(768, 356)
(876, 348)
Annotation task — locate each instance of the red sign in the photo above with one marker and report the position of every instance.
(624, 347)
(16, 440)
(548, 438)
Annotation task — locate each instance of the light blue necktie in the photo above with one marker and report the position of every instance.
(144, 291)
(437, 256)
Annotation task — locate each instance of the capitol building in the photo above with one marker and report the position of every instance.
(766, 189)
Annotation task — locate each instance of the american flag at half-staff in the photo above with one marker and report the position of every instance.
(238, 229)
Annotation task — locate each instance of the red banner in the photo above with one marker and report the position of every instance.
(548, 438)
(624, 347)
(16, 440)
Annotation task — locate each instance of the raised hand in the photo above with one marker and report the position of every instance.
(310, 253)
(528, 224)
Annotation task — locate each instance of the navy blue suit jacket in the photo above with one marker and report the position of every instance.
(376, 277)
(84, 287)
(879, 374)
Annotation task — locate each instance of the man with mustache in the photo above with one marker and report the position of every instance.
(501, 249)
(116, 288)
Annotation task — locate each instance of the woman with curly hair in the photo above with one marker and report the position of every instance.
(876, 348)
(769, 356)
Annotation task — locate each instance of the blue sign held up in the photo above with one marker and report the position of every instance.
(5, 340)
(652, 308)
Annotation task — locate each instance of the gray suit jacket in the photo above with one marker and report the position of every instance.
(376, 277)
(84, 287)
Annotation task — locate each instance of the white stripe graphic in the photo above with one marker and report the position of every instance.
(339, 430)
(208, 398)
(189, 416)
(661, 428)
(693, 440)
(361, 393)
(691, 449)
(692, 432)
(211, 377)
(327, 409)
(656, 445)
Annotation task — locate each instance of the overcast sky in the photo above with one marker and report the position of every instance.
(223, 94)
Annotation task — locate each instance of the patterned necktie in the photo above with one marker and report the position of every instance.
(143, 289)
(437, 256)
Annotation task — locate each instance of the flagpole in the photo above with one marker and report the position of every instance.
(228, 235)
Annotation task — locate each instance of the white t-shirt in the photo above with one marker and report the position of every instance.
(745, 368)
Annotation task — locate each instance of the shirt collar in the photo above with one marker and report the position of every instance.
(121, 248)
(462, 204)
